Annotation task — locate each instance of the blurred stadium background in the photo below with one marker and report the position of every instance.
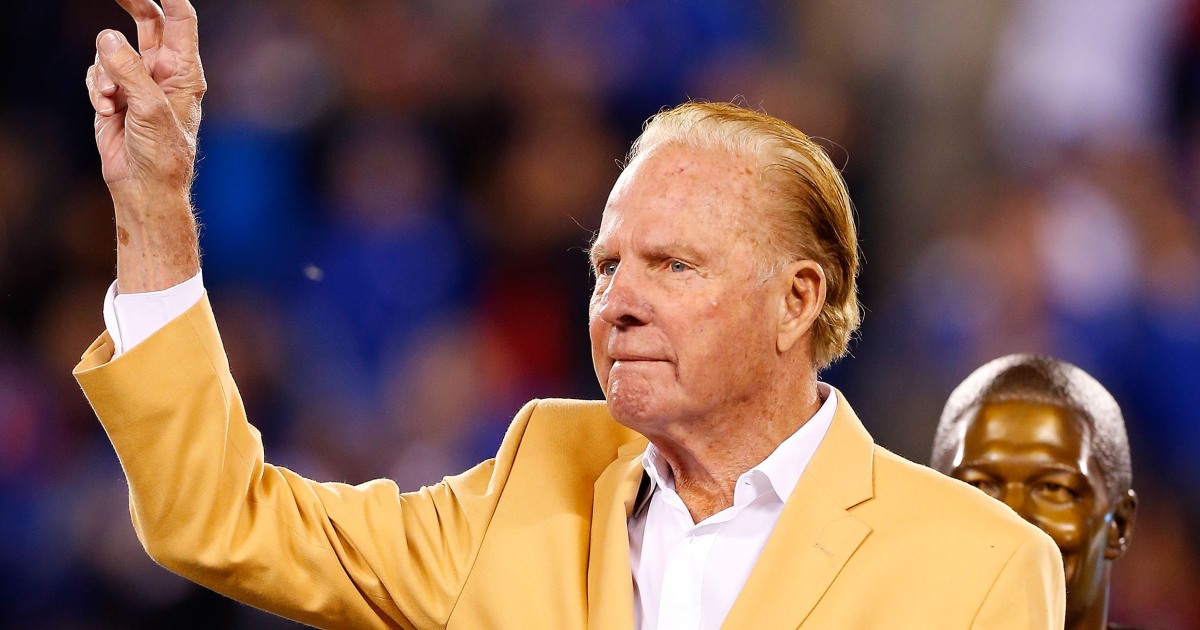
(396, 197)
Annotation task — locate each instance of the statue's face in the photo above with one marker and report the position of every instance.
(1037, 459)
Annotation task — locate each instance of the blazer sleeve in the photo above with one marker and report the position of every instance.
(1029, 592)
(206, 505)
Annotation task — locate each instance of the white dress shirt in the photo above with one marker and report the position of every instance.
(686, 575)
(132, 317)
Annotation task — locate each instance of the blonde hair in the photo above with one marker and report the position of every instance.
(812, 218)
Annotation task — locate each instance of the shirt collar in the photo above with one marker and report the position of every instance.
(782, 468)
(787, 462)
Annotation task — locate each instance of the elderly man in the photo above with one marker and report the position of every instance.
(1048, 440)
(719, 485)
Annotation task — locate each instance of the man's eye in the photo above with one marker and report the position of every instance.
(678, 266)
(607, 268)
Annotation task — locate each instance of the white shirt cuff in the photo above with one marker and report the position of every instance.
(132, 317)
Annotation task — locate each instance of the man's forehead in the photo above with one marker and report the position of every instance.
(678, 187)
(654, 241)
(686, 167)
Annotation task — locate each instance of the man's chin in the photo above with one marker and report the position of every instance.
(631, 402)
(626, 412)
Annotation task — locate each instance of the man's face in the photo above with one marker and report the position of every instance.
(681, 327)
(1037, 459)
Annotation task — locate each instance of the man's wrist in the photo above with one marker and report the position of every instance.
(157, 240)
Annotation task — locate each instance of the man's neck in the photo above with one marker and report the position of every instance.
(706, 458)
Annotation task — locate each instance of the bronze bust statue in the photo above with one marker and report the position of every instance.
(1048, 440)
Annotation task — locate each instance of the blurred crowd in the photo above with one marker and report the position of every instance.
(396, 198)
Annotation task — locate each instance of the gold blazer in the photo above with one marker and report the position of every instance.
(536, 537)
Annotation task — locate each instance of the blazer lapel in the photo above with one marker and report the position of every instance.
(610, 577)
(815, 535)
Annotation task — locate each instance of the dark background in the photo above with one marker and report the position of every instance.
(396, 196)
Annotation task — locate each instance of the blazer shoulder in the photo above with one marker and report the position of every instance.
(937, 546)
(572, 409)
(568, 434)
(944, 503)
(582, 418)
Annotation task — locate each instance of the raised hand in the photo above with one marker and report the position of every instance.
(147, 118)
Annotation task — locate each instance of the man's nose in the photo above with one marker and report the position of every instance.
(623, 301)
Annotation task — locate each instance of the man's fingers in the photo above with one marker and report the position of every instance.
(179, 9)
(150, 22)
(104, 83)
(108, 128)
(125, 68)
(181, 34)
(93, 92)
(105, 102)
(110, 105)
(119, 61)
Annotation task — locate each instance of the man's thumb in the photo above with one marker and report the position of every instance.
(122, 63)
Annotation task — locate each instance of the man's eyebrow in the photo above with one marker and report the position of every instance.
(674, 249)
(597, 252)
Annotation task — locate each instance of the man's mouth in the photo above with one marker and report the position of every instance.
(633, 358)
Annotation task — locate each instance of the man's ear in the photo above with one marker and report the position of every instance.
(1120, 528)
(801, 302)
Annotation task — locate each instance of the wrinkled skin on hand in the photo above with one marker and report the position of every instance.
(147, 105)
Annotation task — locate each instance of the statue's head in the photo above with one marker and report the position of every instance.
(1048, 440)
